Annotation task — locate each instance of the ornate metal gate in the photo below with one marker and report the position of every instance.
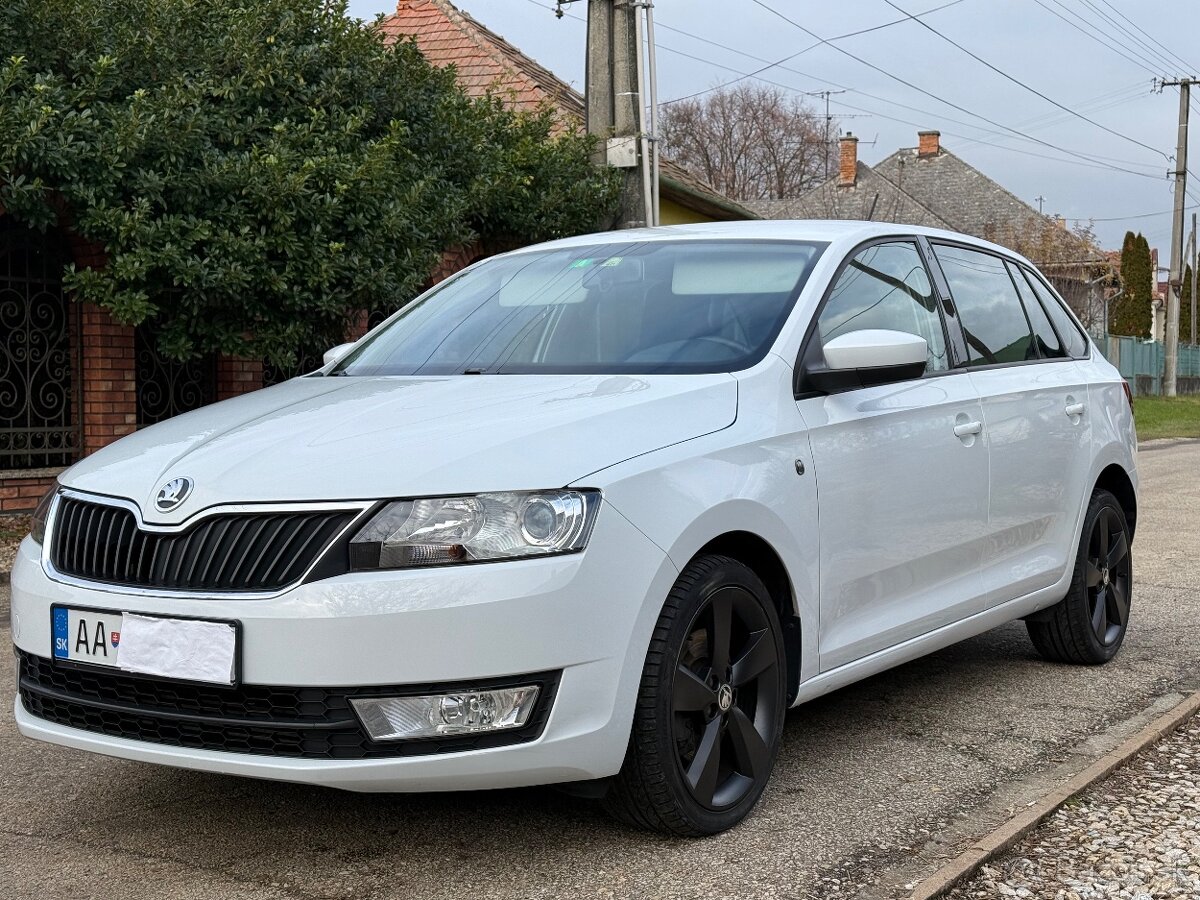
(39, 354)
(166, 387)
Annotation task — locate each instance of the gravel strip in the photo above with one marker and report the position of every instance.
(1136, 836)
(12, 530)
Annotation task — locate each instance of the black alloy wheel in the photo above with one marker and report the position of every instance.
(710, 708)
(722, 700)
(1109, 577)
(1089, 624)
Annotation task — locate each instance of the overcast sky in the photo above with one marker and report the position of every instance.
(1024, 38)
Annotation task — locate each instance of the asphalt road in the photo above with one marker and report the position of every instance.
(875, 782)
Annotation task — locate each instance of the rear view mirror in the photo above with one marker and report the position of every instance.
(334, 354)
(869, 357)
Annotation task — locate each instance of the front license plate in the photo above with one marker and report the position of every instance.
(185, 649)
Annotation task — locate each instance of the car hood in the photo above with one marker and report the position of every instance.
(362, 438)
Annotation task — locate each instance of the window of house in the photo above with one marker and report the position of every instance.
(886, 286)
(989, 310)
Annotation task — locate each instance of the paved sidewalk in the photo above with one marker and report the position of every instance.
(1136, 835)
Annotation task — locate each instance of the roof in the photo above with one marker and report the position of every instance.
(937, 190)
(959, 194)
(487, 63)
(871, 198)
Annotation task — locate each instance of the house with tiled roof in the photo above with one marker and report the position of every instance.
(928, 185)
(485, 63)
(857, 192)
(924, 185)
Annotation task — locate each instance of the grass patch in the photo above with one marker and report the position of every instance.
(1167, 417)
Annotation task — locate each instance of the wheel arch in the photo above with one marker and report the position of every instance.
(757, 554)
(1117, 482)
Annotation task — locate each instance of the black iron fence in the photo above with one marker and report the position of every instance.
(39, 355)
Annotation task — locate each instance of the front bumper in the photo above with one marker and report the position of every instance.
(586, 616)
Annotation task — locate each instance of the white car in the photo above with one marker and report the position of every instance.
(596, 511)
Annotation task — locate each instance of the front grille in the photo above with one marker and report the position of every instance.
(227, 552)
(296, 722)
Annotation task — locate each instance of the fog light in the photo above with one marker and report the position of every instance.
(436, 715)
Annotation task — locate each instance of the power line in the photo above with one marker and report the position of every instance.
(1058, 159)
(1103, 40)
(779, 63)
(949, 103)
(1095, 158)
(1090, 160)
(1165, 212)
(1092, 106)
(1140, 46)
(1022, 84)
(1178, 58)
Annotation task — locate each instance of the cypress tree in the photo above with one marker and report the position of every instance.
(1185, 308)
(1131, 314)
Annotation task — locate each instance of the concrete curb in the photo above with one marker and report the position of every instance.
(1164, 443)
(1006, 835)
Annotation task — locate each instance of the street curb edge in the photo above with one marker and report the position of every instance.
(1009, 833)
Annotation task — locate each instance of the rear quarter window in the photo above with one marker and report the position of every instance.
(1076, 342)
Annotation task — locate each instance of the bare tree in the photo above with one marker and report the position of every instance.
(751, 142)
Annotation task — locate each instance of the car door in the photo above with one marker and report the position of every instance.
(901, 472)
(1036, 423)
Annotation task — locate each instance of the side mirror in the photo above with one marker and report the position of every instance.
(334, 354)
(868, 357)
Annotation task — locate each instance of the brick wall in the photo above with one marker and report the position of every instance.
(109, 382)
(358, 327)
(237, 375)
(20, 491)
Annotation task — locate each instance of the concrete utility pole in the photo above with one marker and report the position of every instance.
(1176, 276)
(614, 102)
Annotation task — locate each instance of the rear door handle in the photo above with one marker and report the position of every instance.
(968, 428)
(1075, 409)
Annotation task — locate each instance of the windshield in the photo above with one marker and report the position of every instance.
(643, 308)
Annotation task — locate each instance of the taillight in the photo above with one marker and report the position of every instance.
(1128, 394)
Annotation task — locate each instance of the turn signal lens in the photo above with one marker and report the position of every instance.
(437, 715)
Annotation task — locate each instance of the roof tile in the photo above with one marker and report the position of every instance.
(485, 62)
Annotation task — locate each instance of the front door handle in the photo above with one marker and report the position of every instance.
(967, 428)
(1074, 409)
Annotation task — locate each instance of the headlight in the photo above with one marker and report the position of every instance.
(472, 529)
(37, 528)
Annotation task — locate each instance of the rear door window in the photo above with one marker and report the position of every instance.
(989, 309)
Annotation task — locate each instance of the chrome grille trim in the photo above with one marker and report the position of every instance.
(321, 524)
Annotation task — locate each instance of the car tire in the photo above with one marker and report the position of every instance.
(1087, 627)
(710, 705)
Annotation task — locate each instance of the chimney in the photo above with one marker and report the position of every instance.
(929, 143)
(848, 160)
